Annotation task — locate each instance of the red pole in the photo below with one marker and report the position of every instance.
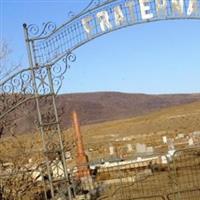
(81, 158)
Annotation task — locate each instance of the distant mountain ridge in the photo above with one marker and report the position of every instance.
(105, 106)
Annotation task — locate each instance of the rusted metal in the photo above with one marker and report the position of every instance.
(81, 157)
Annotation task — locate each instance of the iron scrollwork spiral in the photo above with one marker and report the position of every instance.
(36, 31)
(91, 4)
(58, 70)
(15, 90)
(69, 58)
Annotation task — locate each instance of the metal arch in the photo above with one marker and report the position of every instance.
(52, 43)
(116, 29)
(128, 25)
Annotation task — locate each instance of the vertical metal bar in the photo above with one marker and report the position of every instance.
(58, 129)
(44, 185)
(176, 186)
(31, 63)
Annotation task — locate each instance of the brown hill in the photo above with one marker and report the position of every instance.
(105, 106)
(100, 107)
(147, 129)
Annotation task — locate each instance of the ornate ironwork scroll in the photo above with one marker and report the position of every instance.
(15, 91)
(47, 28)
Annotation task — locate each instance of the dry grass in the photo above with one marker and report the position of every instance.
(147, 129)
(179, 119)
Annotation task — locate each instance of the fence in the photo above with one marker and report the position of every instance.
(147, 179)
(177, 179)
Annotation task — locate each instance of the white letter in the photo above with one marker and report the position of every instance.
(193, 7)
(161, 7)
(129, 5)
(104, 20)
(144, 8)
(178, 6)
(86, 24)
(118, 14)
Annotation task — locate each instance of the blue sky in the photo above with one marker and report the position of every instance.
(158, 57)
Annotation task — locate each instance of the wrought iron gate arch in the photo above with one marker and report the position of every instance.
(119, 28)
(71, 35)
(51, 49)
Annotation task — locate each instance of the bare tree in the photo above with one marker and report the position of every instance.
(6, 67)
(19, 176)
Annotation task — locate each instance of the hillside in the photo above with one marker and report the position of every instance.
(99, 107)
(148, 129)
(106, 106)
(168, 121)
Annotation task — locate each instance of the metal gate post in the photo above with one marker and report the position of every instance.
(51, 125)
(32, 66)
